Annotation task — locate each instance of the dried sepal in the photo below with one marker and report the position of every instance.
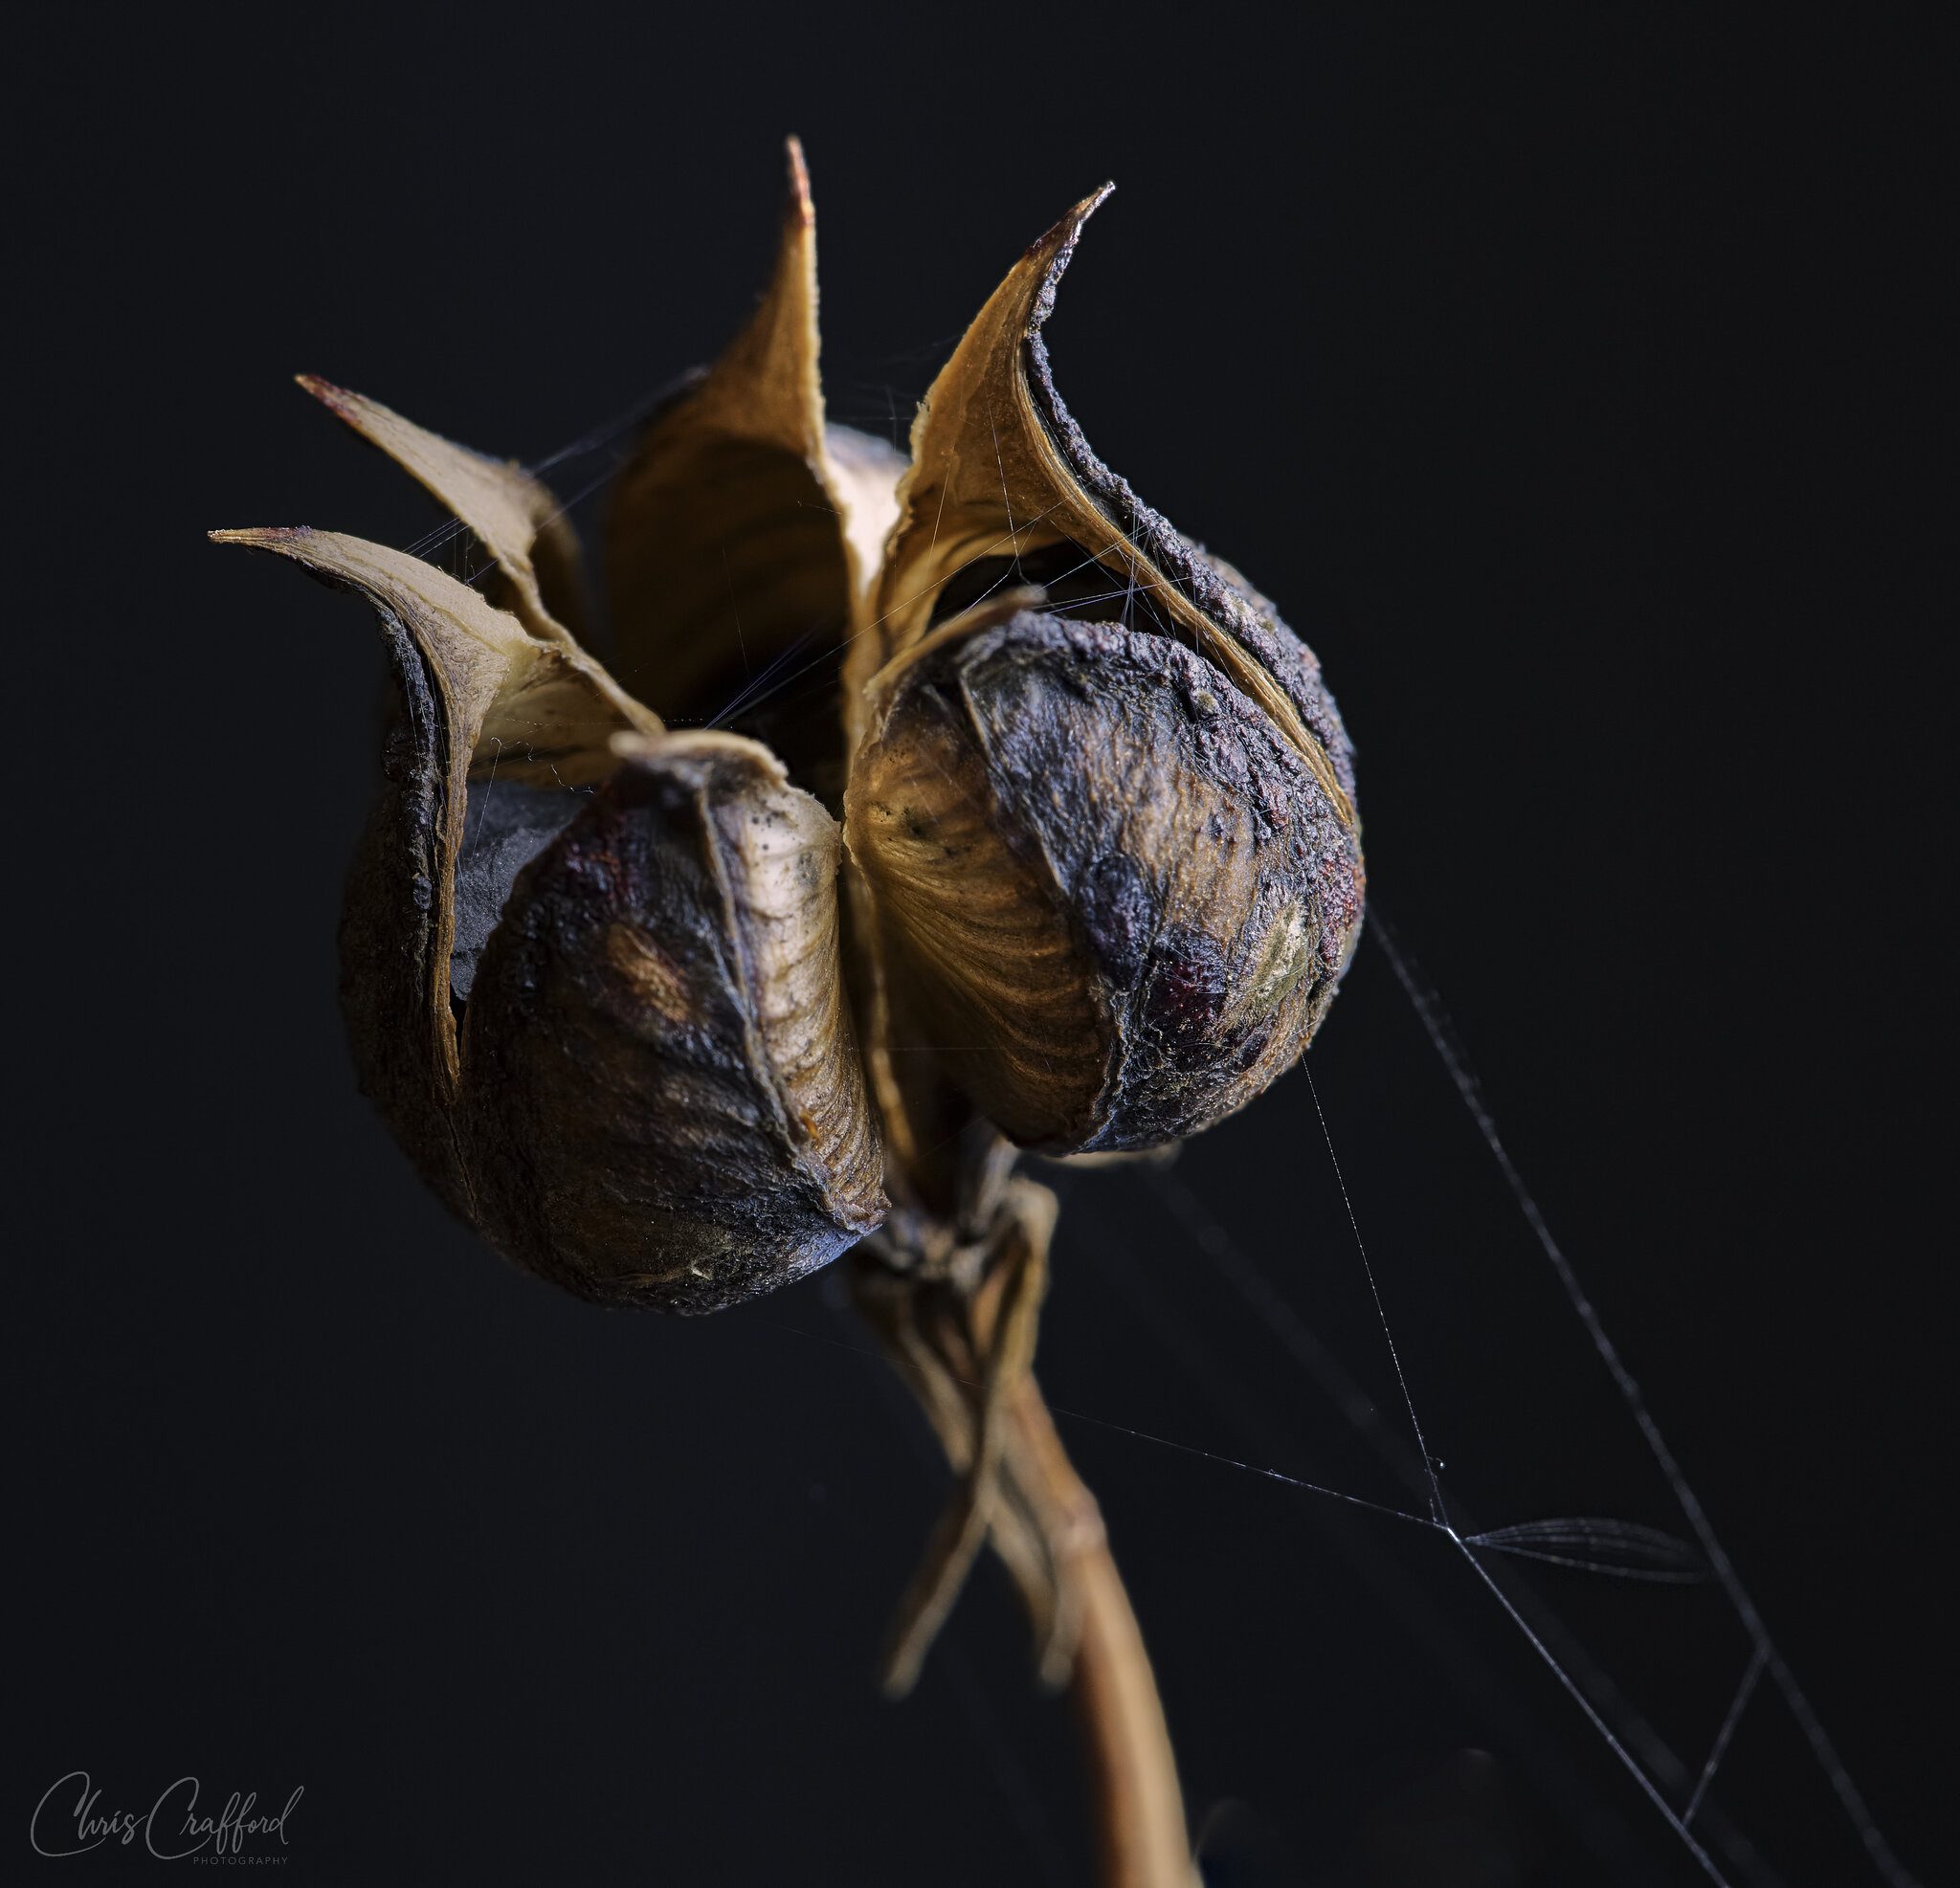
(515, 515)
(1004, 489)
(662, 1086)
(743, 529)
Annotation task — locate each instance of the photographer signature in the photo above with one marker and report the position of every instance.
(172, 1827)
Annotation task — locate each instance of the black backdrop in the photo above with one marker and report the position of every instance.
(1569, 384)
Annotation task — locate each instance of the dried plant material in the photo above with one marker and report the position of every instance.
(1108, 874)
(1005, 489)
(478, 698)
(1104, 870)
(1111, 843)
(515, 517)
(661, 1089)
(1111, 968)
(742, 528)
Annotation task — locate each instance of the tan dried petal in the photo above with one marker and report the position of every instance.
(520, 522)
(743, 526)
(1004, 489)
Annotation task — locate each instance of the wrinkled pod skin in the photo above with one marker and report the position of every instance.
(663, 1096)
(1099, 967)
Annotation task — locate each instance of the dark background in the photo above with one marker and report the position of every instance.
(1570, 384)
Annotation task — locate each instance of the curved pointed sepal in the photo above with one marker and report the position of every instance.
(1005, 489)
(739, 546)
(520, 522)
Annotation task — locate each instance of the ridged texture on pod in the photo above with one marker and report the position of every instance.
(1099, 966)
(661, 1088)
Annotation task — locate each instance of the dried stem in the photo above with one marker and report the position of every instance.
(957, 1319)
(1139, 1807)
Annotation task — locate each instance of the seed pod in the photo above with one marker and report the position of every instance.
(1107, 828)
(1109, 876)
(590, 969)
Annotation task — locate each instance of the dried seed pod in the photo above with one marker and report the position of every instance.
(1097, 967)
(1108, 828)
(1111, 870)
(590, 970)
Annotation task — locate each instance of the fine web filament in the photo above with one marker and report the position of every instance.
(1766, 1656)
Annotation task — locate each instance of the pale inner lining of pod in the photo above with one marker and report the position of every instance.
(539, 755)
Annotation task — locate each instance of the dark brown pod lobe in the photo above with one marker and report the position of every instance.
(661, 1089)
(1114, 897)
(506, 749)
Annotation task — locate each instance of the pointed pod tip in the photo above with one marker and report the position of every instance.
(264, 537)
(801, 207)
(1064, 231)
(334, 398)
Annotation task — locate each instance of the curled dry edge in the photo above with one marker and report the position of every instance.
(1093, 815)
